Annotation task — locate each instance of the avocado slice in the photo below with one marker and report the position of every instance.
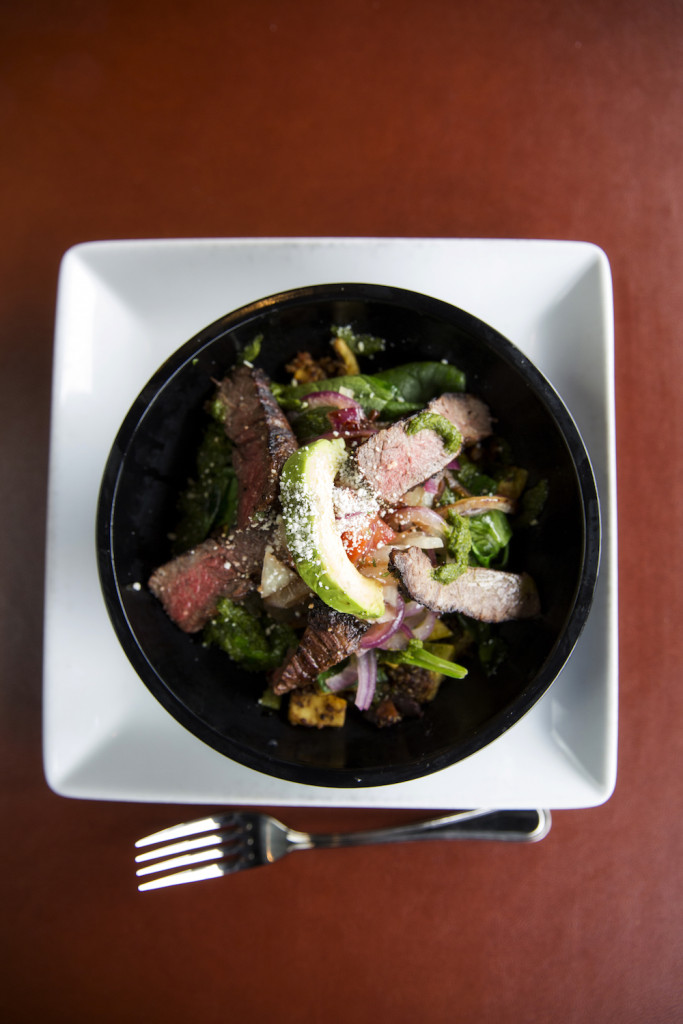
(306, 487)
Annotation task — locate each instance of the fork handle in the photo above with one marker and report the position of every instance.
(485, 824)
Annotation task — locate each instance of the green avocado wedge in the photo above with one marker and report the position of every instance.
(306, 487)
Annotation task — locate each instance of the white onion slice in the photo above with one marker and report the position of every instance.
(477, 504)
(411, 539)
(425, 519)
(275, 575)
(391, 595)
(376, 569)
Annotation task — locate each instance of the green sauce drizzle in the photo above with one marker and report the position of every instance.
(449, 434)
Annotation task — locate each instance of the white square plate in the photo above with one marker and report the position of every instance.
(122, 308)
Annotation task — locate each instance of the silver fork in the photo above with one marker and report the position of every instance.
(225, 843)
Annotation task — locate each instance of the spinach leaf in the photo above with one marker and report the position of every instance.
(372, 395)
(312, 422)
(252, 350)
(490, 534)
(391, 393)
(210, 498)
(491, 649)
(418, 383)
(533, 503)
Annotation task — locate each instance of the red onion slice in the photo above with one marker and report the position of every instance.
(366, 664)
(423, 628)
(332, 398)
(352, 434)
(380, 632)
(341, 680)
(346, 418)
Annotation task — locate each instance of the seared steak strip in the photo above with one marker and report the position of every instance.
(469, 414)
(484, 594)
(394, 460)
(190, 586)
(262, 437)
(329, 637)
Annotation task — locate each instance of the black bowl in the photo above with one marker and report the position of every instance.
(216, 701)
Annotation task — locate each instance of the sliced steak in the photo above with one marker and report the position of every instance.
(469, 414)
(484, 594)
(190, 586)
(329, 637)
(394, 460)
(262, 437)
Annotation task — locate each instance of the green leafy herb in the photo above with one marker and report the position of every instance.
(252, 350)
(254, 641)
(417, 654)
(360, 344)
(533, 503)
(459, 540)
(472, 478)
(447, 497)
(449, 434)
(448, 572)
(458, 546)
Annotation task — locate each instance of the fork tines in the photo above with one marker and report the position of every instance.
(203, 849)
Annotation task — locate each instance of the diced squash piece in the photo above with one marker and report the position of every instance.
(513, 483)
(317, 710)
(445, 651)
(440, 631)
(271, 700)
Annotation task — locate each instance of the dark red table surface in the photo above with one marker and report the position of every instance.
(373, 118)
